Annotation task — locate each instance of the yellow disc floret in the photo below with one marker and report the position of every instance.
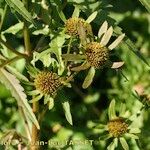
(117, 127)
(47, 82)
(72, 26)
(97, 55)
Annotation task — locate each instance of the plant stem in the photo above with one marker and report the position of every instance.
(35, 107)
(35, 132)
(13, 50)
(27, 128)
(27, 40)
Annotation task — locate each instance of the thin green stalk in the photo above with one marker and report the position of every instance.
(69, 48)
(35, 105)
(27, 40)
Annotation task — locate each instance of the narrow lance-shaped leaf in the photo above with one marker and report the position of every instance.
(113, 144)
(111, 110)
(132, 47)
(89, 78)
(18, 6)
(91, 17)
(16, 90)
(76, 11)
(103, 29)
(106, 37)
(146, 4)
(124, 143)
(66, 107)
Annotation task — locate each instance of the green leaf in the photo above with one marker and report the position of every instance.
(17, 92)
(37, 98)
(113, 144)
(16, 73)
(14, 29)
(146, 4)
(66, 107)
(124, 143)
(76, 11)
(91, 17)
(56, 46)
(73, 57)
(132, 47)
(61, 15)
(18, 6)
(49, 101)
(122, 109)
(111, 110)
(89, 78)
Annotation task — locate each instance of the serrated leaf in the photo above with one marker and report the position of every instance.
(91, 17)
(18, 6)
(111, 110)
(89, 78)
(146, 4)
(124, 143)
(17, 92)
(66, 107)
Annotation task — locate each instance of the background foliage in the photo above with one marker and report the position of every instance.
(92, 103)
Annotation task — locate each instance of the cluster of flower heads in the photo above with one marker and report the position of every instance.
(96, 55)
(96, 52)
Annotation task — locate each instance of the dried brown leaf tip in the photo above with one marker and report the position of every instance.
(47, 82)
(73, 24)
(117, 127)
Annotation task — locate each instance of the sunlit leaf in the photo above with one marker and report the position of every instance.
(124, 143)
(17, 92)
(91, 17)
(14, 29)
(37, 98)
(113, 144)
(116, 42)
(117, 65)
(103, 29)
(111, 110)
(66, 107)
(89, 78)
(76, 11)
(106, 37)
